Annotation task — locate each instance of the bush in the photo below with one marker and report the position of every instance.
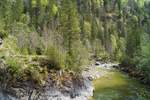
(77, 59)
(29, 42)
(14, 67)
(10, 46)
(3, 32)
(55, 56)
(36, 74)
(35, 45)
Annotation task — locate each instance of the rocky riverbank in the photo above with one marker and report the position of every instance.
(69, 89)
(64, 87)
(134, 72)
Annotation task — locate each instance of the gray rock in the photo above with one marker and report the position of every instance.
(97, 63)
(76, 91)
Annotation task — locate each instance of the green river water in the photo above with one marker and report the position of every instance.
(116, 85)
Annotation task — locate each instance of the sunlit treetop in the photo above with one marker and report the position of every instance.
(43, 2)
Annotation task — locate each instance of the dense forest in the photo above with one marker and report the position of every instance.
(65, 35)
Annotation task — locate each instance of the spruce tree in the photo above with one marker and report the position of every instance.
(17, 10)
(71, 32)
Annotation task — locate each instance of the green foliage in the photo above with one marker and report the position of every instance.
(141, 3)
(77, 58)
(118, 47)
(70, 23)
(43, 2)
(86, 31)
(55, 56)
(17, 9)
(94, 30)
(10, 47)
(14, 67)
(5, 12)
(122, 3)
(25, 18)
(53, 8)
(28, 41)
(36, 74)
(133, 38)
(99, 51)
(3, 32)
(10, 11)
(71, 31)
(144, 60)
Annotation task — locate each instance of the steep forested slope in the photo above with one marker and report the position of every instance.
(69, 32)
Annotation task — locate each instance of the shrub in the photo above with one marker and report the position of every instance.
(35, 44)
(3, 32)
(36, 74)
(10, 46)
(28, 41)
(77, 59)
(14, 67)
(55, 56)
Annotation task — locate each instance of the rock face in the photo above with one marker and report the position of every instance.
(74, 91)
(5, 96)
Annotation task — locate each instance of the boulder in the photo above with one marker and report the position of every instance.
(97, 63)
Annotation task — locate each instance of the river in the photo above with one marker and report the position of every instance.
(116, 85)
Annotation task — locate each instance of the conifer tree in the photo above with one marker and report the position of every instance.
(17, 9)
(71, 32)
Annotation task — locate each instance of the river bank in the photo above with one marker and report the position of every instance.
(99, 81)
(68, 89)
(134, 72)
(59, 86)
